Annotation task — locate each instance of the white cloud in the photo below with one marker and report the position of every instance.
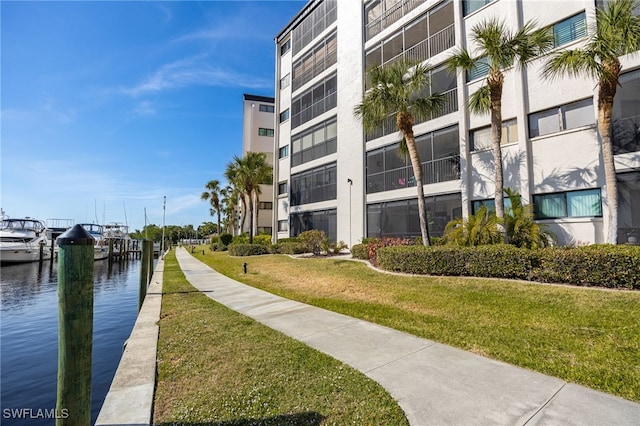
(193, 72)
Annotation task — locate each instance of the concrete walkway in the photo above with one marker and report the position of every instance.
(433, 383)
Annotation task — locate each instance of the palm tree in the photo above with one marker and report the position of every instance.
(397, 90)
(477, 229)
(229, 203)
(232, 175)
(212, 194)
(616, 33)
(498, 49)
(248, 173)
(521, 227)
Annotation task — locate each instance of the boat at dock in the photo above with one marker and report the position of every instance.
(55, 228)
(101, 244)
(117, 233)
(23, 240)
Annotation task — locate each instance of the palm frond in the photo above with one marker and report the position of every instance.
(573, 63)
(461, 59)
(480, 101)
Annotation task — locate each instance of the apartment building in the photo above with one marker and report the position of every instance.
(258, 136)
(331, 175)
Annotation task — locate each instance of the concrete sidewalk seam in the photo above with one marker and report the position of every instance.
(542, 407)
(430, 345)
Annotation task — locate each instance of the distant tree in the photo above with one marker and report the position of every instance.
(207, 228)
(212, 194)
(616, 33)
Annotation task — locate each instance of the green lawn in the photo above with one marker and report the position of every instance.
(218, 367)
(581, 335)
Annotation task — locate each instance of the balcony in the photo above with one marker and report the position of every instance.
(626, 135)
(435, 171)
(390, 16)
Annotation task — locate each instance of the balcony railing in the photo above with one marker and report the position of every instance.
(434, 171)
(391, 15)
(431, 46)
(314, 110)
(388, 126)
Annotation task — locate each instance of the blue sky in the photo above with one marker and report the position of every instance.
(106, 107)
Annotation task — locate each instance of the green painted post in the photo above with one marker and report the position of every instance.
(75, 327)
(144, 273)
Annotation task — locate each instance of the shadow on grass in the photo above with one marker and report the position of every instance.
(299, 419)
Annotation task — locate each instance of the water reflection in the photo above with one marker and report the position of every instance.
(29, 325)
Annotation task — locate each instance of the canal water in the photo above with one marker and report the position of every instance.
(29, 336)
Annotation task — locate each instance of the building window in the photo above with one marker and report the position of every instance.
(323, 220)
(479, 70)
(283, 152)
(265, 132)
(283, 188)
(318, 20)
(266, 108)
(565, 117)
(315, 62)
(283, 225)
(626, 114)
(315, 101)
(285, 81)
(314, 185)
(570, 29)
(470, 6)
(265, 230)
(424, 37)
(482, 138)
(583, 203)
(265, 205)
(490, 204)
(439, 153)
(284, 115)
(400, 218)
(314, 143)
(286, 46)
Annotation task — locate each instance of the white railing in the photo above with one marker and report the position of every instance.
(434, 171)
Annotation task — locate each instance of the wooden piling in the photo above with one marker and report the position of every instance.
(75, 327)
(147, 251)
(150, 250)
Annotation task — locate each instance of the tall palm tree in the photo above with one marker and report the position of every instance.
(248, 173)
(232, 175)
(212, 194)
(398, 90)
(229, 203)
(498, 49)
(616, 33)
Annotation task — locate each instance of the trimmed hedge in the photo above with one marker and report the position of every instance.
(599, 265)
(248, 249)
(360, 251)
(288, 248)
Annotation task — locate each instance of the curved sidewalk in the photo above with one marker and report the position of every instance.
(433, 383)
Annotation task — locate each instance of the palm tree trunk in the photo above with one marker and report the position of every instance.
(256, 207)
(606, 94)
(251, 219)
(417, 172)
(495, 81)
(244, 214)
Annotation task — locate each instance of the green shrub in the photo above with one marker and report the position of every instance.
(262, 239)
(241, 239)
(377, 243)
(597, 265)
(248, 249)
(360, 251)
(217, 247)
(288, 248)
(289, 240)
(312, 240)
(226, 239)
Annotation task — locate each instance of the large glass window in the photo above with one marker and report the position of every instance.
(314, 143)
(483, 139)
(315, 101)
(626, 114)
(314, 185)
(323, 220)
(582, 203)
(439, 153)
(421, 39)
(379, 14)
(470, 6)
(283, 152)
(565, 117)
(266, 108)
(570, 29)
(321, 18)
(400, 218)
(283, 188)
(265, 132)
(316, 61)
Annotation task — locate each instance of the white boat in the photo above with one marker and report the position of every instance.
(55, 228)
(101, 244)
(20, 240)
(119, 234)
